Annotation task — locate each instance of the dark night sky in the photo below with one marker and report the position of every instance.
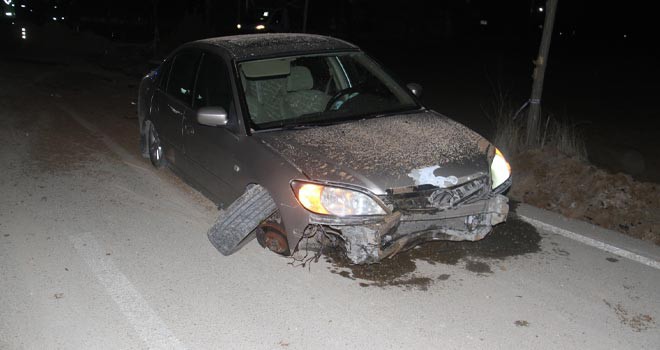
(602, 63)
(357, 19)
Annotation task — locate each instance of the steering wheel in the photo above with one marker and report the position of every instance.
(338, 95)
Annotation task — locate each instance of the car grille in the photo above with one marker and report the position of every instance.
(432, 198)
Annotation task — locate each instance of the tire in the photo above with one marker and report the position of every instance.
(241, 218)
(144, 148)
(155, 148)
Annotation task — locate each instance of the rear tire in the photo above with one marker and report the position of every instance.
(156, 154)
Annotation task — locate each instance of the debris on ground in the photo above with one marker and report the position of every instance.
(513, 239)
(638, 322)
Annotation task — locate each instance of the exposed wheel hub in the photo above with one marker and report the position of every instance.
(271, 235)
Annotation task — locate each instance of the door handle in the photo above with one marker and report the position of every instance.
(175, 111)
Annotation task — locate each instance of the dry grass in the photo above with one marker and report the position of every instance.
(554, 174)
(564, 137)
(509, 132)
(555, 133)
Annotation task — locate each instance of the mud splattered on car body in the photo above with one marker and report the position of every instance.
(337, 145)
(244, 47)
(378, 154)
(384, 150)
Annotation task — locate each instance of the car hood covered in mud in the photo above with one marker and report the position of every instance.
(386, 152)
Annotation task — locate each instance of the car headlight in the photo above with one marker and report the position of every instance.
(330, 200)
(500, 170)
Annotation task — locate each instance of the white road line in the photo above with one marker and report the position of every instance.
(144, 320)
(592, 242)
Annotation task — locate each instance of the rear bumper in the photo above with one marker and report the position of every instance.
(369, 241)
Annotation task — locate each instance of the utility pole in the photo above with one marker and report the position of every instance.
(304, 28)
(534, 116)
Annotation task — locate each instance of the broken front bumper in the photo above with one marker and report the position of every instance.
(370, 240)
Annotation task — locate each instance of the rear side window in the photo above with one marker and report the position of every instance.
(164, 73)
(213, 85)
(182, 76)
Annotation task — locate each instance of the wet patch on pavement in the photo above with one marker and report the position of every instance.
(478, 267)
(509, 240)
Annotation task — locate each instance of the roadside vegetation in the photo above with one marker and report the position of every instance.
(552, 171)
(511, 136)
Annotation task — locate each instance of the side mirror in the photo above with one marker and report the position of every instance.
(212, 116)
(415, 88)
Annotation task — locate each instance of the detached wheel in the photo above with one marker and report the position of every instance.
(155, 147)
(236, 222)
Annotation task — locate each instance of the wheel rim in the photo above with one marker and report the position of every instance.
(155, 148)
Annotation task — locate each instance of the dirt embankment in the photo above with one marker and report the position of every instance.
(551, 180)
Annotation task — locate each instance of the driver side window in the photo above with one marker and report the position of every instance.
(182, 76)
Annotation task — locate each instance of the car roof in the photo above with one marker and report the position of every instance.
(257, 46)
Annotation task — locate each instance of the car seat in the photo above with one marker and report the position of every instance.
(301, 96)
(265, 99)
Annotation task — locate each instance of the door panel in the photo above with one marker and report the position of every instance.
(212, 149)
(168, 120)
(174, 99)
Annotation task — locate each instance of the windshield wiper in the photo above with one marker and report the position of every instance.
(297, 126)
(308, 116)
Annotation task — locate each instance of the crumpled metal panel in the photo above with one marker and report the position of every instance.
(432, 198)
(370, 242)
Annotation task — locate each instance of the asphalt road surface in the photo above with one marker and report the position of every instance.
(99, 250)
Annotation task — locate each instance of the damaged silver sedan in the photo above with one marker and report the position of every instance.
(304, 141)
